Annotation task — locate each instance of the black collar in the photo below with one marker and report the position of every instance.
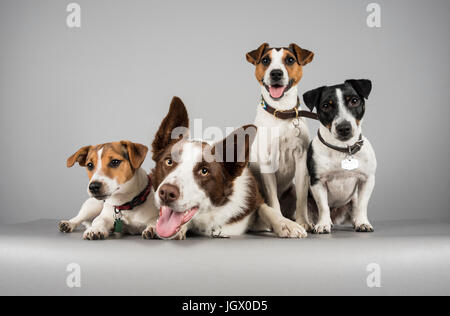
(138, 200)
(351, 150)
(287, 114)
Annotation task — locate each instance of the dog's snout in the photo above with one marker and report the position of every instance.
(168, 193)
(94, 187)
(276, 74)
(344, 129)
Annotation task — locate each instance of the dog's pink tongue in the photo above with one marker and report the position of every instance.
(169, 222)
(276, 92)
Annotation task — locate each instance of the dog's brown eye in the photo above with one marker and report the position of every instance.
(90, 166)
(265, 61)
(290, 60)
(169, 162)
(115, 163)
(354, 102)
(204, 171)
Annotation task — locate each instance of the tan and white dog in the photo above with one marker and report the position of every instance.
(122, 197)
(279, 160)
(208, 189)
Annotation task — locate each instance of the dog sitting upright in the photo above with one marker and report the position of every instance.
(205, 188)
(122, 197)
(279, 161)
(341, 161)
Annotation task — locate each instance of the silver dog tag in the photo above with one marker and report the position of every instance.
(350, 163)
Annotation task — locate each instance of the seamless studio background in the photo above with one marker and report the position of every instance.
(114, 77)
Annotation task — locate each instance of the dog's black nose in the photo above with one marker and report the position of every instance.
(168, 193)
(344, 129)
(276, 74)
(95, 187)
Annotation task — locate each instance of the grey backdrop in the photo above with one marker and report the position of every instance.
(112, 79)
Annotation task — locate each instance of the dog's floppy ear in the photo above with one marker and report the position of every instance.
(303, 56)
(254, 57)
(80, 157)
(362, 86)
(176, 118)
(136, 153)
(312, 98)
(234, 150)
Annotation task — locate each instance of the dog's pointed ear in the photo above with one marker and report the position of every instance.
(254, 57)
(234, 150)
(80, 157)
(175, 122)
(136, 153)
(312, 98)
(303, 56)
(362, 86)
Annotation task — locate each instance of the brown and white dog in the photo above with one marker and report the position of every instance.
(207, 189)
(120, 190)
(278, 158)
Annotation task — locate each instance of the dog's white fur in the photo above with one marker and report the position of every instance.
(98, 216)
(338, 187)
(282, 149)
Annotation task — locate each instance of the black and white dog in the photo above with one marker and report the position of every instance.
(341, 162)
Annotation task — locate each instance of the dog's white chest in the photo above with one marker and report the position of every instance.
(342, 173)
(279, 142)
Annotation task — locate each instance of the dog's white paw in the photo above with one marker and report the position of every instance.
(66, 227)
(306, 225)
(95, 233)
(322, 228)
(364, 227)
(150, 233)
(286, 228)
(181, 235)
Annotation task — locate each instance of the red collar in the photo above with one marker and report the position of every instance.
(138, 200)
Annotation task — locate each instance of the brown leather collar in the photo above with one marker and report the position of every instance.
(351, 150)
(288, 114)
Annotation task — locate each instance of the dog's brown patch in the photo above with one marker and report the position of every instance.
(131, 156)
(303, 56)
(161, 169)
(295, 70)
(255, 56)
(176, 118)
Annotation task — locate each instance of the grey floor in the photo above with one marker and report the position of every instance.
(413, 257)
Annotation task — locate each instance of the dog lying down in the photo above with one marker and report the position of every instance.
(209, 189)
(122, 197)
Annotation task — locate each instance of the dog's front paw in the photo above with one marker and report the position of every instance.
(149, 233)
(322, 228)
(65, 227)
(306, 226)
(181, 234)
(364, 228)
(95, 233)
(286, 228)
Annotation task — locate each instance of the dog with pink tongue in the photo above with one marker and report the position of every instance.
(208, 189)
